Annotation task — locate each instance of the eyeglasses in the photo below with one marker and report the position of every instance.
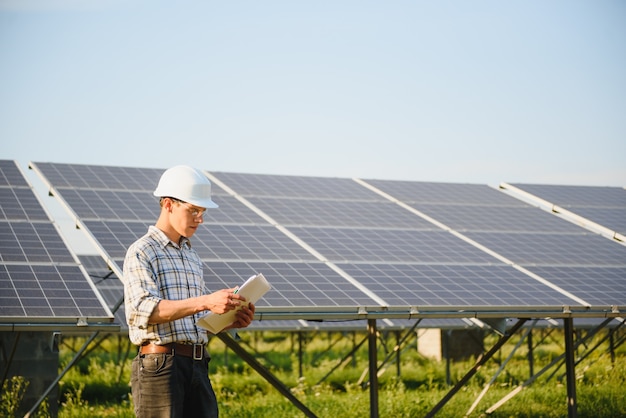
(194, 211)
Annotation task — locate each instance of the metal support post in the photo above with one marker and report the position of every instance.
(570, 367)
(373, 366)
(300, 350)
(531, 358)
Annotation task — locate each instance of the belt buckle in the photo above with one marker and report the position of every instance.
(198, 351)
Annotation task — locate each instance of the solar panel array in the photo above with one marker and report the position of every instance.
(558, 251)
(41, 282)
(334, 246)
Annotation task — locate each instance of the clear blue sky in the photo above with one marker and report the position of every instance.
(451, 91)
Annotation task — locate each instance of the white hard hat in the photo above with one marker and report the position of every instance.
(187, 184)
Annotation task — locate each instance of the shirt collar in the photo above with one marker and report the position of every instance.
(163, 239)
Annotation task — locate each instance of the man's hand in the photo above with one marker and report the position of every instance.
(243, 316)
(219, 302)
(223, 301)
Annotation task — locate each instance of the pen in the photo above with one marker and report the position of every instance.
(236, 290)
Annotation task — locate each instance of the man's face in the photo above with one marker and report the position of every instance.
(186, 217)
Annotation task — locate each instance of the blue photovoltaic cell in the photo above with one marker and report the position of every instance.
(116, 237)
(339, 213)
(247, 242)
(595, 285)
(577, 196)
(447, 285)
(78, 176)
(111, 205)
(444, 193)
(265, 185)
(391, 246)
(10, 175)
(497, 218)
(293, 284)
(42, 292)
(212, 242)
(605, 206)
(141, 206)
(555, 250)
(20, 204)
(611, 218)
(25, 242)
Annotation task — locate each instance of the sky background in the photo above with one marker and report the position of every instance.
(445, 91)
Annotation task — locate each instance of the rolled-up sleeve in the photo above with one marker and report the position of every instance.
(141, 293)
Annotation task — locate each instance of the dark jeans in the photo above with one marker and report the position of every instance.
(166, 385)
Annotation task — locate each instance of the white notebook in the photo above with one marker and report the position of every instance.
(253, 289)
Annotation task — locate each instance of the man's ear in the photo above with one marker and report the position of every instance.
(168, 204)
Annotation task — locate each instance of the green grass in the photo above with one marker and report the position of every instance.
(98, 385)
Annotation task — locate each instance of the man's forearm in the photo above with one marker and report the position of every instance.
(171, 310)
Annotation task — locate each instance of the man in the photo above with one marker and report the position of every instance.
(165, 295)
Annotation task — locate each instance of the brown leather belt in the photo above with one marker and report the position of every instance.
(194, 351)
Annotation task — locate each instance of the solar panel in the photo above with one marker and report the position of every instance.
(40, 281)
(90, 177)
(11, 176)
(20, 204)
(578, 196)
(443, 193)
(266, 185)
(115, 237)
(391, 246)
(142, 205)
(110, 205)
(550, 249)
(496, 218)
(28, 242)
(596, 285)
(453, 285)
(611, 218)
(339, 213)
(605, 206)
(214, 242)
(108, 285)
(301, 285)
(45, 293)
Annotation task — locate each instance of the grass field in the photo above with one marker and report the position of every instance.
(98, 385)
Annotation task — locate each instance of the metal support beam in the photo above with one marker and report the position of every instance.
(344, 360)
(397, 349)
(476, 367)
(557, 360)
(264, 372)
(502, 366)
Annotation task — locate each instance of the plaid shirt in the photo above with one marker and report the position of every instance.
(156, 268)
